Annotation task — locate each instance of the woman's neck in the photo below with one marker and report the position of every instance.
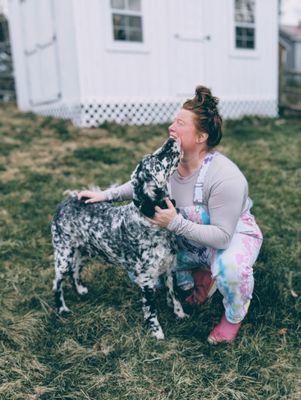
(189, 163)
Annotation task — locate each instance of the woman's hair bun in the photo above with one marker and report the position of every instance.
(207, 117)
(204, 96)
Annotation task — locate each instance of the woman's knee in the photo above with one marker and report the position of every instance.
(225, 268)
(233, 277)
(228, 269)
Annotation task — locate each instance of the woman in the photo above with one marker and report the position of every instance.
(215, 228)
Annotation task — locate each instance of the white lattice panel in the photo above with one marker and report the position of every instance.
(72, 112)
(94, 114)
(237, 109)
(128, 113)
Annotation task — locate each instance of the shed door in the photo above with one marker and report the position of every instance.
(187, 49)
(40, 48)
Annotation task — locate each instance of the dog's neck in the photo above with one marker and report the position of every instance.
(146, 205)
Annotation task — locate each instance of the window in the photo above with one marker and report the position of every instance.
(127, 20)
(4, 35)
(245, 24)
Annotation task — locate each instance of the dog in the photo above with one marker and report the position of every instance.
(122, 235)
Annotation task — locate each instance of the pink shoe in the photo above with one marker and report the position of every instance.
(224, 332)
(204, 287)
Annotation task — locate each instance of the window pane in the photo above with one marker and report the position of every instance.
(245, 11)
(118, 4)
(135, 35)
(239, 31)
(135, 22)
(245, 38)
(119, 34)
(119, 21)
(134, 5)
(239, 43)
(127, 27)
(2, 33)
(250, 33)
(119, 27)
(250, 44)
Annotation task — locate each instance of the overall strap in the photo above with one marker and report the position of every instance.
(199, 186)
(169, 189)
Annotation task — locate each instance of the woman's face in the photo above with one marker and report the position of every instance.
(183, 127)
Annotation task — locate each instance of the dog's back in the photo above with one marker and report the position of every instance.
(88, 227)
(120, 233)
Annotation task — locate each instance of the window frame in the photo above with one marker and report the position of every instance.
(239, 52)
(126, 45)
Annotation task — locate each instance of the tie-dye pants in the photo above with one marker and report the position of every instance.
(231, 268)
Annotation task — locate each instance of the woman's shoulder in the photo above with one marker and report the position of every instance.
(223, 167)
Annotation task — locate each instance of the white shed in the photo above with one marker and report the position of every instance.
(135, 61)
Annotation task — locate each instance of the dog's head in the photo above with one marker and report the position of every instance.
(150, 177)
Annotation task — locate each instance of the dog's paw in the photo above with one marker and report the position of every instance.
(64, 310)
(159, 335)
(181, 314)
(81, 290)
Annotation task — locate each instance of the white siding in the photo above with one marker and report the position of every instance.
(232, 74)
(186, 62)
(121, 71)
(67, 50)
(16, 38)
(186, 43)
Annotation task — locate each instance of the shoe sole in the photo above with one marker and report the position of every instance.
(216, 342)
(211, 341)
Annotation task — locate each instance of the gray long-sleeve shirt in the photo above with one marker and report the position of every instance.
(225, 197)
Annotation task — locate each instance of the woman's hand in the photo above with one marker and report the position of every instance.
(163, 216)
(93, 197)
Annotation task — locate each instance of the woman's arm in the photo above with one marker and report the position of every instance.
(225, 206)
(119, 193)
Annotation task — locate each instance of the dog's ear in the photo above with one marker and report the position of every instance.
(147, 208)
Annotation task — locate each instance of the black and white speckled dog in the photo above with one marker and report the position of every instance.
(122, 235)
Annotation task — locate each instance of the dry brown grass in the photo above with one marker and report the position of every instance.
(102, 350)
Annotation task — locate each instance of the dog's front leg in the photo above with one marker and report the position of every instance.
(150, 312)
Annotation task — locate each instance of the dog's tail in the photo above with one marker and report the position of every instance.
(70, 193)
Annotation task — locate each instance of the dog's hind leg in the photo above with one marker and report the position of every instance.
(171, 298)
(63, 258)
(150, 312)
(76, 270)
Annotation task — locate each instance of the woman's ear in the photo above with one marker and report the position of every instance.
(201, 137)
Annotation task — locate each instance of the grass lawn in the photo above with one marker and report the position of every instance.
(103, 351)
